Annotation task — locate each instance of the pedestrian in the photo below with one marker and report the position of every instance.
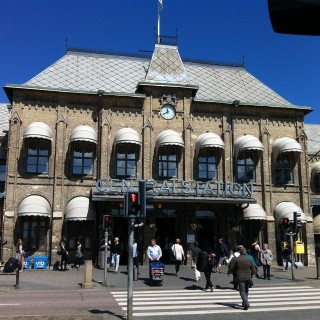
(210, 263)
(194, 258)
(166, 250)
(115, 251)
(20, 254)
(223, 253)
(79, 255)
(266, 260)
(64, 253)
(233, 255)
(243, 268)
(154, 253)
(135, 255)
(286, 253)
(178, 253)
(255, 251)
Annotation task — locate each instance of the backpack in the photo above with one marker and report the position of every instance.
(212, 259)
(202, 261)
(10, 265)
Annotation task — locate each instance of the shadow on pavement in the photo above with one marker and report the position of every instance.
(95, 311)
(230, 305)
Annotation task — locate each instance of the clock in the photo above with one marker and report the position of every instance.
(168, 111)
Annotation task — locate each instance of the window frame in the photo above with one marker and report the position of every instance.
(163, 152)
(127, 159)
(281, 167)
(246, 166)
(37, 156)
(82, 158)
(206, 163)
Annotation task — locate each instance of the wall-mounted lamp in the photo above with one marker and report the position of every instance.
(120, 205)
(100, 93)
(159, 205)
(236, 103)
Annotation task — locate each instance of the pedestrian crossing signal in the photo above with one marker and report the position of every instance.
(106, 221)
(285, 223)
(132, 203)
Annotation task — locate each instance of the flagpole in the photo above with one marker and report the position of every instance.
(158, 22)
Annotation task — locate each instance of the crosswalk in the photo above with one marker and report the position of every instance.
(161, 302)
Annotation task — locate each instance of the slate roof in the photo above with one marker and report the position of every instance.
(88, 72)
(313, 134)
(4, 117)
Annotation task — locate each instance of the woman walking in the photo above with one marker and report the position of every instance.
(20, 254)
(266, 260)
(78, 255)
(178, 253)
(194, 258)
(64, 253)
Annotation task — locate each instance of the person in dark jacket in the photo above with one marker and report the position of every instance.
(115, 251)
(286, 253)
(64, 253)
(244, 269)
(223, 253)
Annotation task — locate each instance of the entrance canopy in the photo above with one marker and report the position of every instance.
(207, 140)
(286, 210)
(169, 138)
(38, 130)
(79, 209)
(283, 145)
(34, 206)
(127, 135)
(84, 133)
(253, 211)
(247, 142)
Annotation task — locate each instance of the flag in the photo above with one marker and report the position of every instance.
(160, 5)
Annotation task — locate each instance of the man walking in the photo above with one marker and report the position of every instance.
(115, 251)
(223, 253)
(243, 269)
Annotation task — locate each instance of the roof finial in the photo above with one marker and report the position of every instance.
(160, 7)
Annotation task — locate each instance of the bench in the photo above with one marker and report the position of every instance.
(15, 273)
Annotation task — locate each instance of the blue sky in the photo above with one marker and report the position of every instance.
(33, 36)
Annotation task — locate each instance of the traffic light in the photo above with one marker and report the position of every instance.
(106, 221)
(132, 203)
(146, 206)
(296, 221)
(285, 223)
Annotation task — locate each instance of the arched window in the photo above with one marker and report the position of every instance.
(82, 158)
(168, 162)
(207, 164)
(127, 154)
(246, 171)
(284, 168)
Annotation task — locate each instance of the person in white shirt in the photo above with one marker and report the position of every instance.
(178, 254)
(135, 255)
(154, 252)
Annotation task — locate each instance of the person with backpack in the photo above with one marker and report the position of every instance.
(178, 254)
(211, 262)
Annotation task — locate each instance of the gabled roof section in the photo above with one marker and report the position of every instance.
(313, 135)
(166, 66)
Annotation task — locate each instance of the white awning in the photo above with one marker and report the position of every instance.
(285, 145)
(84, 133)
(253, 211)
(286, 209)
(38, 130)
(34, 206)
(315, 169)
(79, 209)
(169, 138)
(316, 224)
(127, 135)
(247, 142)
(207, 140)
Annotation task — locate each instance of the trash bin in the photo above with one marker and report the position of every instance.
(101, 257)
(27, 262)
(40, 262)
(298, 247)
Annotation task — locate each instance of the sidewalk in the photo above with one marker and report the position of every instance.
(71, 280)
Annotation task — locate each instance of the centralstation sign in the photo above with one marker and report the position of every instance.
(177, 188)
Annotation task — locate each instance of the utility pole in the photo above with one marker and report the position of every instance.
(130, 268)
(106, 236)
(292, 234)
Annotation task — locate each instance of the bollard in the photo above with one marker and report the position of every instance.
(17, 278)
(318, 268)
(135, 273)
(87, 275)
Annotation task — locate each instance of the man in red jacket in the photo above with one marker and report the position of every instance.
(243, 269)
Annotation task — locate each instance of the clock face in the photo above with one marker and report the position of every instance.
(168, 111)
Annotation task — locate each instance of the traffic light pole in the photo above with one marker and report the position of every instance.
(130, 268)
(292, 234)
(106, 236)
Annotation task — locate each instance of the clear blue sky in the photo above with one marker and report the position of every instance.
(33, 34)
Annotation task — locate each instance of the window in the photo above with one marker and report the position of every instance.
(34, 232)
(3, 169)
(284, 171)
(168, 164)
(37, 156)
(126, 160)
(82, 158)
(207, 164)
(317, 182)
(246, 171)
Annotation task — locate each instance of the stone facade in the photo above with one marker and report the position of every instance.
(64, 110)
